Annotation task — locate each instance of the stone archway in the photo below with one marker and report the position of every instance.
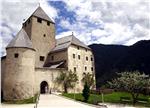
(44, 87)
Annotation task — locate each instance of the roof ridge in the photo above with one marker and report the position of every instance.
(64, 37)
(71, 38)
(39, 12)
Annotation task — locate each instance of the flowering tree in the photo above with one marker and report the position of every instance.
(89, 80)
(67, 79)
(132, 82)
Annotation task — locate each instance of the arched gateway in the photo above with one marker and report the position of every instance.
(44, 87)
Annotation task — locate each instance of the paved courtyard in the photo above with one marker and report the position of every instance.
(54, 101)
(51, 101)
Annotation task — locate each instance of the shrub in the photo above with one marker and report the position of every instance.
(86, 92)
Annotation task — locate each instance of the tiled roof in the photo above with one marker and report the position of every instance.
(21, 40)
(65, 42)
(39, 12)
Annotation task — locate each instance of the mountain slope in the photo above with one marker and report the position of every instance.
(110, 59)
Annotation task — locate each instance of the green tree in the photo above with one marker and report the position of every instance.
(86, 92)
(132, 82)
(67, 79)
(89, 80)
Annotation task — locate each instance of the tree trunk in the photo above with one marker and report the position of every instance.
(134, 97)
(65, 88)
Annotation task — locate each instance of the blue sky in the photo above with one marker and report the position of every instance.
(63, 13)
(106, 21)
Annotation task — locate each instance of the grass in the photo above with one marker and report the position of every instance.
(111, 98)
(24, 101)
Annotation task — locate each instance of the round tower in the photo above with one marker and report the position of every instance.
(19, 77)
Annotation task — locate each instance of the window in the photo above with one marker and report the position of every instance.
(79, 57)
(41, 58)
(75, 69)
(86, 58)
(48, 23)
(91, 68)
(73, 55)
(52, 58)
(44, 35)
(78, 47)
(91, 58)
(28, 21)
(39, 20)
(85, 68)
(86, 50)
(16, 55)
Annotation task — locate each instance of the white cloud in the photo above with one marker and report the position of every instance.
(125, 22)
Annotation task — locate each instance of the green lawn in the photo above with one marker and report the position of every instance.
(112, 98)
(25, 101)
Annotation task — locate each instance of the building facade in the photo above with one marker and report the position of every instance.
(34, 58)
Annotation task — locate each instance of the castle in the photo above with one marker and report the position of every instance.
(34, 58)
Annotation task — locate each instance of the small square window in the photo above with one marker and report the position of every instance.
(85, 68)
(44, 35)
(42, 58)
(39, 20)
(48, 23)
(91, 58)
(79, 57)
(92, 69)
(73, 55)
(86, 50)
(75, 69)
(86, 58)
(52, 57)
(16, 55)
(78, 47)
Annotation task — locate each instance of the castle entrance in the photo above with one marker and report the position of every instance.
(44, 87)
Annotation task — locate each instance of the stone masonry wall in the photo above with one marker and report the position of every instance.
(3, 63)
(81, 63)
(19, 74)
(42, 37)
(48, 75)
(43, 45)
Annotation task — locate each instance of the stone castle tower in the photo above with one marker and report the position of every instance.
(35, 58)
(19, 68)
(41, 31)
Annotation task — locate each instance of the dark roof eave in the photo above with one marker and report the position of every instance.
(81, 46)
(47, 68)
(22, 47)
(42, 19)
(37, 17)
(3, 57)
(58, 50)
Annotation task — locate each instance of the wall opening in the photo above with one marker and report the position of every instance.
(44, 87)
(2, 98)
